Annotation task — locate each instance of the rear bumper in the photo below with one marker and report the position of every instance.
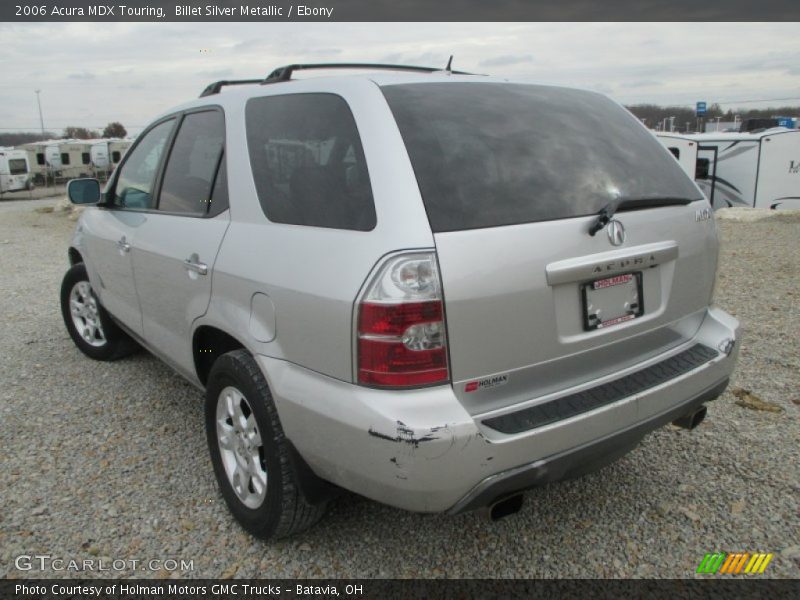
(577, 461)
(421, 450)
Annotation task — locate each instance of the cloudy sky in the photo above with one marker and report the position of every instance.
(90, 74)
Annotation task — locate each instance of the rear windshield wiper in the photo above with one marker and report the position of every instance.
(607, 212)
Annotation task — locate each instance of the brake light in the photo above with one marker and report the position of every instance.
(401, 330)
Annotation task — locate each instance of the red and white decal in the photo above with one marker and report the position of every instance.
(483, 384)
(612, 281)
(616, 321)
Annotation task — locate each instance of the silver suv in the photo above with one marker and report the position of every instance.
(433, 289)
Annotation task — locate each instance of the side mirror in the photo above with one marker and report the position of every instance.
(83, 191)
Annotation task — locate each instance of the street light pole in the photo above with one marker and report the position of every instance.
(41, 120)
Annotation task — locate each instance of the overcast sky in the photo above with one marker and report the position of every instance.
(93, 73)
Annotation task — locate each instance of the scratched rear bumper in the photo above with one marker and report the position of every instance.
(420, 450)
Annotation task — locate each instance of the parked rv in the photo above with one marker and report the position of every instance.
(760, 170)
(116, 150)
(682, 148)
(76, 159)
(14, 171)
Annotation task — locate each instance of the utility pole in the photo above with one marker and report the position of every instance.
(41, 120)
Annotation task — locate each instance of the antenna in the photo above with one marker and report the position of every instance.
(449, 66)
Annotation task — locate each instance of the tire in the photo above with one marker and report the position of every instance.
(100, 337)
(253, 457)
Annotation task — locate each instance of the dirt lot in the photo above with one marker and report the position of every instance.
(109, 461)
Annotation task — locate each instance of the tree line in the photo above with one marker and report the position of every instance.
(653, 114)
(112, 130)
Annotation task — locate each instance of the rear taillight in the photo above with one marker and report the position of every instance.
(401, 330)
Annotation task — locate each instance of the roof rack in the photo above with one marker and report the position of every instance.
(285, 73)
(215, 87)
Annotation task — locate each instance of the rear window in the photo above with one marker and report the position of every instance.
(17, 166)
(308, 163)
(491, 154)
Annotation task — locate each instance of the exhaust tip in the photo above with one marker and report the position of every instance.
(691, 420)
(506, 507)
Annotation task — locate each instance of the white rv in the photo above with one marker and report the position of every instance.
(117, 149)
(759, 169)
(75, 158)
(14, 170)
(682, 148)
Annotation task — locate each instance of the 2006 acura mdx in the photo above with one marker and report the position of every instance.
(433, 289)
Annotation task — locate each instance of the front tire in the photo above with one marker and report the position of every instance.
(250, 453)
(89, 325)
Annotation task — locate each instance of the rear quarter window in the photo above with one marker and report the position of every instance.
(492, 154)
(308, 163)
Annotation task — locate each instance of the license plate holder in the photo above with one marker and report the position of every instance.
(612, 300)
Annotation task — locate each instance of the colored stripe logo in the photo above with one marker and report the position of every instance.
(734, 563)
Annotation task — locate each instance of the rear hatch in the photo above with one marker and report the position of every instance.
(513, 178)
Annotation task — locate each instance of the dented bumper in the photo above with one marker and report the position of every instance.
(421, 450)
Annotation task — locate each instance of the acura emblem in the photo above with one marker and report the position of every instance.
(616, 232)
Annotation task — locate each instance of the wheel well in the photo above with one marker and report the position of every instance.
(74, 256)
(210, 343)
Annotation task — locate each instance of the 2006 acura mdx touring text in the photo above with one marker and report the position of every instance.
(433, 289)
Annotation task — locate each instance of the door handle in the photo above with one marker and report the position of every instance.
(193, 264)
(122, 245)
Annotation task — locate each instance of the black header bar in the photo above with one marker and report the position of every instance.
(399, 10)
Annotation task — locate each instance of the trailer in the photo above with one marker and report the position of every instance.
(44, 160)
(682, 148)
(75, 158)
(106, 154)
(14, 170)
(755, 169)
(117, 149)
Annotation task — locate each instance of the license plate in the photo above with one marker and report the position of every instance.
(612, 300)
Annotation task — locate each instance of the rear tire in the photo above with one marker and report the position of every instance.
(89, 325)
(250, 453)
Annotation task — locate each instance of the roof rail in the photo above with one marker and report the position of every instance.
(285, 73)
(215, 87)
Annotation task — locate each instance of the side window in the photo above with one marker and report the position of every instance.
(676, 152)
(308, 162)
(39, 158)
(64, 158)
(701, 168)
(192, 163)
(115, 156)
(85, 158)
(134, 187)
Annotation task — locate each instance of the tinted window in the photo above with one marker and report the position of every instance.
(701, 168)
(39, 158)
(115, 156)
(134, 188)
(193, 163)
(490, 154)
(64, 158)
(17, 166)
(308, 163)
(85, 158)
(675, 152)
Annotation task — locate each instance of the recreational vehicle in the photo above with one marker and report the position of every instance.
(14, 171)
(682, 148)
(116, 150)
(760, 169)
(76, 159)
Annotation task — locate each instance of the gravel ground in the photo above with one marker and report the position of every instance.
(110, 461)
